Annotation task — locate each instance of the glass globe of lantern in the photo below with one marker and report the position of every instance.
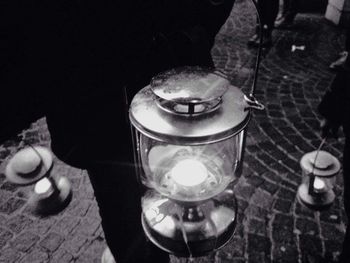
(188, 128)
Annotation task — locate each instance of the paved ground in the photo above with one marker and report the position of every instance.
(272, 225)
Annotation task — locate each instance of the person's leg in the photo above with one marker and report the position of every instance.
(288, 16)
(118, 196)
(271, 11)
(268, 10)
(116, 186)
(347, 39)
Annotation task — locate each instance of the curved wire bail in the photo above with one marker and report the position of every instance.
(253, 103)
(258, 56)
(312, 175)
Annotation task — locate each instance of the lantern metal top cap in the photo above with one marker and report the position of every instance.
(189, 105)
(322, 164)
(190, 85)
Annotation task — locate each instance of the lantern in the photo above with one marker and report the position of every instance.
(33, 165)
(319, 170)
(188, 129)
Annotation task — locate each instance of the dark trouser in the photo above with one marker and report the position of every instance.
(346, 173)
(268, 10)
(290, 8)
(347, 40)
(118, 196)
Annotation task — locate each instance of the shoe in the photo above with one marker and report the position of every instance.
(284, 22)
(107, 256)
(339, 63)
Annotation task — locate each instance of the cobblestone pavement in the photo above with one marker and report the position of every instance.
(272, 225)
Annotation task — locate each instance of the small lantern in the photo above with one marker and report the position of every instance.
(189, 128)
(33, 165)
(319, 170)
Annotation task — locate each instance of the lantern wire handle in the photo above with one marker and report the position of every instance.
(258, 57)
(312, 175)
(180, 213)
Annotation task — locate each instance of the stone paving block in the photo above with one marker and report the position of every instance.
(5, 237)
(11, 205)
(332, 215)
(272, 176)
(271, 188)
(265, 158)
(254, 211)
(4, 153)
(282, 206)
(255, 165)
(262, 199)
(78, 207)
(35, 256)
(255, 180)
(25, 241)
(279, 167)
(89, 252)
(285, 253)
(4, 196)
(307, 227)
(332, 232)
(282, 229)
(93, 210)
(310, 244)
(75, 243)
(235, 248)
(244, 191)
(51, 241)
(61, 256)
(43, 225)
(7, 186)
(66, 224)
(304, 211)
(333, 248)
(259, 248)
(286, 194)
(9, 255)
(288, 184)
(24, 192)
(257, 227)
(87, 226)
(19, 222)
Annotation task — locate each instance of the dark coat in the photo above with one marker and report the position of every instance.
(73, 58)
(335, 104)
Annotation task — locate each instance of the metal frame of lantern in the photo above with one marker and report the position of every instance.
(33, 165)
(189, 226)
(319, 170)
(188, 131)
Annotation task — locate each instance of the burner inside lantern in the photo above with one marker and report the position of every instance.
(189, 173)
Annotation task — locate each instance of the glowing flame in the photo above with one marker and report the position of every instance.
(319, 184)
(43, 186)
(189, 173)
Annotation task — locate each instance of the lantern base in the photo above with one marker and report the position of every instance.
(190, 231)
(53, 202)
(318, 201)
(180, 248)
